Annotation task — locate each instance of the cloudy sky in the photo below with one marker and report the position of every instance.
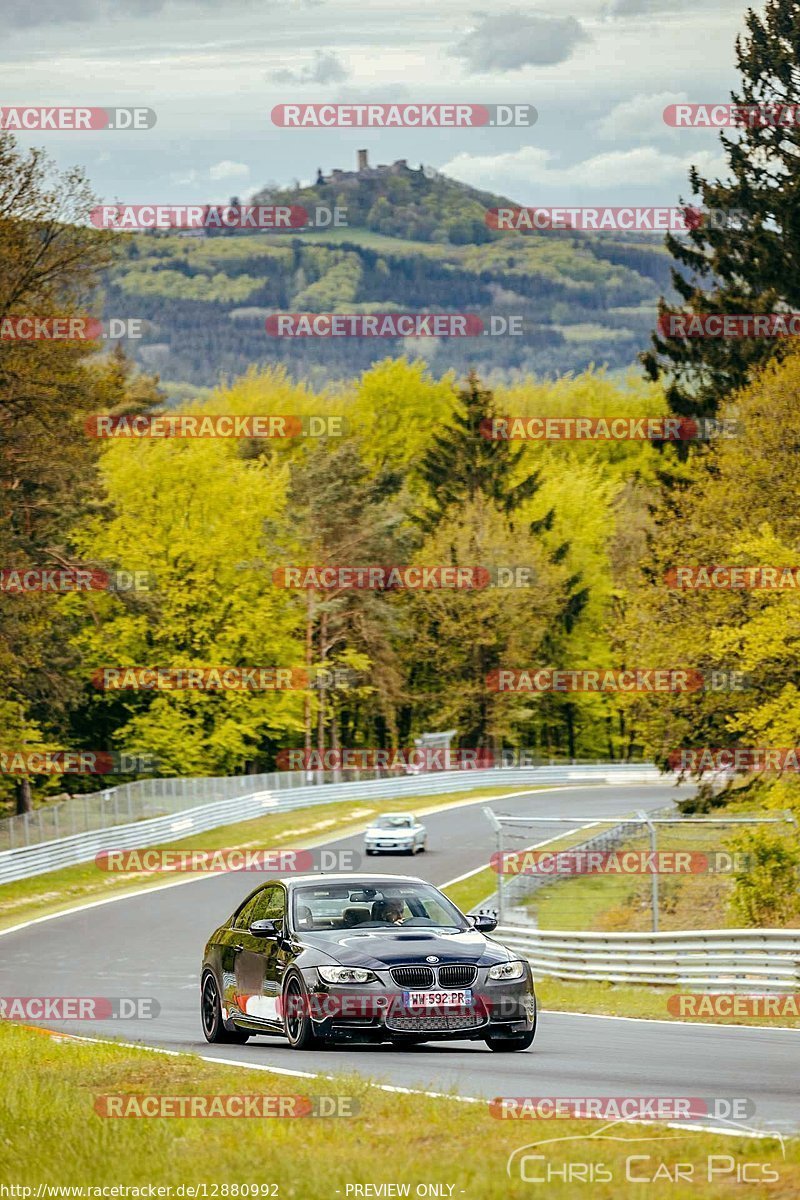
(599, 72)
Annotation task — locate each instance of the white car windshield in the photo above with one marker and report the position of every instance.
(337, 906)
(393, 823)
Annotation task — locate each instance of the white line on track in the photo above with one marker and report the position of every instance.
(382, 1087)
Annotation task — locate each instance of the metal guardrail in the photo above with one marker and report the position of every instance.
(765, 960)
(48, 855)
(145, 798)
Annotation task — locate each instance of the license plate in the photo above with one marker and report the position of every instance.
(460, 999)
(386, 845)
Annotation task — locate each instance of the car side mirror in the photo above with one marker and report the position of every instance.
(483, 922)
(264, 929)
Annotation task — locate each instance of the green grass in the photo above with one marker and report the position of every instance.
(53, 1135)
(481, 885)
(631, 1000)
(372, 240)
(473, 890)
(617, 903)
(57, 890)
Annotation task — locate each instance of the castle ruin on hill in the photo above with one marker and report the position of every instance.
(365, 171)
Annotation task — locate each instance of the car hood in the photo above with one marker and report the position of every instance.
(376, 948)
(393, 831)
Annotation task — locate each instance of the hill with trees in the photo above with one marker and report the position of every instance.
(415, 241)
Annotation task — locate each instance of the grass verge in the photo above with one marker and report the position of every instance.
(481, 885)
(632, 1000)
(623, 903)
(53, 1135)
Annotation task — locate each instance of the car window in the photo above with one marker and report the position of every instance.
(244, 916)
(270, 904)
(328, 906)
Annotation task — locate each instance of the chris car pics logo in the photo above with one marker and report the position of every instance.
(581, 1159)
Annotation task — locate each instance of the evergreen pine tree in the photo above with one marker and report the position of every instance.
(746, 263)
(462, 463)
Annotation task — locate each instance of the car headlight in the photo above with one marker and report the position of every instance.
(346, 974)
(508, 970)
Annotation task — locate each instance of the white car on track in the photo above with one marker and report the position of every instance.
(396, 833)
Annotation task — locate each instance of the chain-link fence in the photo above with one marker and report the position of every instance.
(148, 798)
(629, 875)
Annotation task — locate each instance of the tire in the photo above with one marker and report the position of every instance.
(211, 1016)
(506, 1045)
(297, 1023)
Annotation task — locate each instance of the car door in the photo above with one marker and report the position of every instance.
(276, 954)
(231, 945)
(259, 962)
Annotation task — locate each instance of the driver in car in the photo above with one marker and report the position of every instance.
(389, 910)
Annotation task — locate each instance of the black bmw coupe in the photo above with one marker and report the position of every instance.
(362, 958)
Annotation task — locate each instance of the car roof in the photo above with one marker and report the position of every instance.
(380, 816)
(350, 877)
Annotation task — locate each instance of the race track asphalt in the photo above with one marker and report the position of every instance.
(151, 945)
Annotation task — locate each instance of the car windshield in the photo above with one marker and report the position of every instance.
(336, 906)
(393, 823)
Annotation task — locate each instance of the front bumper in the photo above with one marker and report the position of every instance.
(387, 846)
(377, 1012)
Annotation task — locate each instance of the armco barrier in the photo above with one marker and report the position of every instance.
(753, 960)
(40, 857)
(143, 799)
